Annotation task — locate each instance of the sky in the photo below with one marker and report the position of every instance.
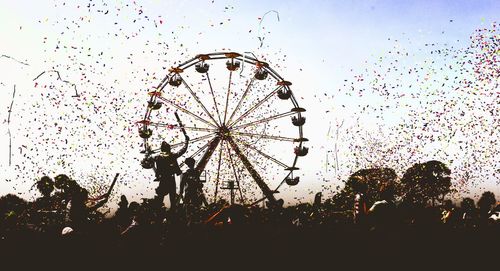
(339, 55)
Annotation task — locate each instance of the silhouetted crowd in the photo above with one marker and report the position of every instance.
(65, 213)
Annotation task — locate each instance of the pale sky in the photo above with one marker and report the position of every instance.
(115, 52)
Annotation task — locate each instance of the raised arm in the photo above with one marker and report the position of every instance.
(184, 148)
(96, 205)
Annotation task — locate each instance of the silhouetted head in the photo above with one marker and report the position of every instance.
(80, 195)
(278, 204)
(317, 199)
(165, 147)
(123, 202)
(134, 207)
(387, 192)
(359, 185)
(67, 185)
(62, 181)
(190, 162)
(45, 185)
(448, 204)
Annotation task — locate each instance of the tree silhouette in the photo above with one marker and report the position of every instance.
(376, 180)
(424, 182)
(12, 209)
(485, 203)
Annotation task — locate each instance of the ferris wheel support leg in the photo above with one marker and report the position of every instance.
(255, 175)
(218, 173)
(235, 174)
(212, 145)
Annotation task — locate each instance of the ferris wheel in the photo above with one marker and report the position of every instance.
(245, 124)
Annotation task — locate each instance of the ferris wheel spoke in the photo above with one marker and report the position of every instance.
(176, 126)
(198, 100)
(257, 105)
(264, 120)
(237, 178)
(218, 172)
(202, 148)
(196, 139)
(283, 181)
(227, 96)
(213, 96)
(241, 99)
(248, 146)
(187, 111)
(272, 137)
(251, 169)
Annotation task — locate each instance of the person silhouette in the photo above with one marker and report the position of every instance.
(382, 214)
(66, 187)
(166, 167)
(42, 212)
(122, 214)
(191, 187)
(46, 186)
(82, 208)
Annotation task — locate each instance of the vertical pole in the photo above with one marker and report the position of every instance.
(231, 187)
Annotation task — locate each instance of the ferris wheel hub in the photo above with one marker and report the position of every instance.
(224, 132)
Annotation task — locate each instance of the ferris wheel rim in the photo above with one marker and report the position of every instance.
(244, 58)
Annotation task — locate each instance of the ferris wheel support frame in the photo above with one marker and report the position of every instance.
(255, 175)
